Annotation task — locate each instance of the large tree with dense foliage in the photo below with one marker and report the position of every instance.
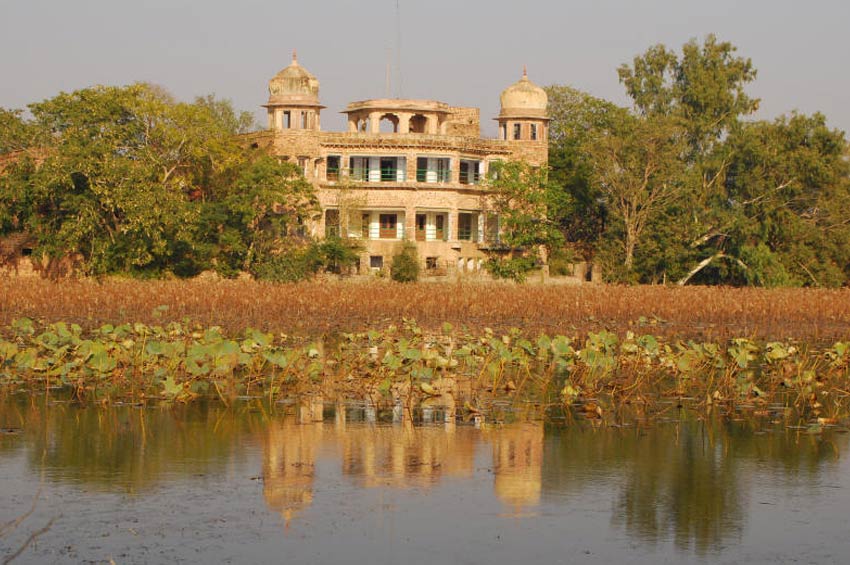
(637, 169)
(758, 203)
(577, 203)
(250, 221)
(703, 91)
(787, 220)
(128, 180)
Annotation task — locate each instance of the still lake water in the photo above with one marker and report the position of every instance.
(203, 483)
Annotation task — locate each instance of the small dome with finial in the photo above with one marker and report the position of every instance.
(524, 99)
(294, 84)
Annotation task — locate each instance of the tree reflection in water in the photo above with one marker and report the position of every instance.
(686, 481)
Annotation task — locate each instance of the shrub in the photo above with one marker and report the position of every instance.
(562, 262)
(514, 268)
(405, 266)
(289, 266)
(338, 255)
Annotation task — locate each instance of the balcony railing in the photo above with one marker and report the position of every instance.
(362, 174)
(433, 175)
(469, 177)
(466, 234)
(371, 175)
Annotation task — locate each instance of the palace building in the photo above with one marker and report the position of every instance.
(405, 169)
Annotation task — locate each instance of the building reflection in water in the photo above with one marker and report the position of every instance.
(289, 459)
(398, 455)
(518, 465)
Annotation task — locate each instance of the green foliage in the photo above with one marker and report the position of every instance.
(764, 267)
(576, 206)
(522, 197)
(291, 265)
(510, 268)
(137, 183)
(704, 89)
(562, 262)
(405, 266)
(637, 168)
(254, 217)
(529, 209)
(338, 255)
(680, 188)
(226, 116)
(178, 362)
(302, 261)
(16, 133)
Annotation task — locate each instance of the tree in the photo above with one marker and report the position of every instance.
(16, 133)
(130, 176)
(261, 214)
(405, 265)
(704, 92)
(637, 167)
(226, 116)
(704, 89)
(576, 204)
(102, 193)
(788, 191)
(522, 198)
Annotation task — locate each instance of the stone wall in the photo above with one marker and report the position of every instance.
(465, 122)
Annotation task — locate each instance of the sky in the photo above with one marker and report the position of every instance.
(463, 52)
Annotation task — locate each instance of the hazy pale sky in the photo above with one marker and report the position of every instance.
(460, 52)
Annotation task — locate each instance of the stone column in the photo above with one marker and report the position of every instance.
(375, 122)
(454, 164)
(411, 167)
(352, 124)
(404, 122)
(430, 124)
(410, 223)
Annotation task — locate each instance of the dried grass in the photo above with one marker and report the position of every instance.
(331, 306)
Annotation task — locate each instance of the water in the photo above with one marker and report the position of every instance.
(203, 483)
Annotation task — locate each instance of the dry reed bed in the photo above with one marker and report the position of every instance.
(330, 306)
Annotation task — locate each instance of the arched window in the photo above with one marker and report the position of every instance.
(418, 123)
(389, 123)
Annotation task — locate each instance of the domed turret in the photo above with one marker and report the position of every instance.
(523, 113)
(294, 98)
(294, 84)
(524, 99)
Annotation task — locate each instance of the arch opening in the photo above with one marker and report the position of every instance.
(388, 123)
(418, 123)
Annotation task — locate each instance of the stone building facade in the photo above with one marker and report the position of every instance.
(405, 169)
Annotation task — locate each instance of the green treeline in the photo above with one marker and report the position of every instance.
(683, 186)
(126, 180)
